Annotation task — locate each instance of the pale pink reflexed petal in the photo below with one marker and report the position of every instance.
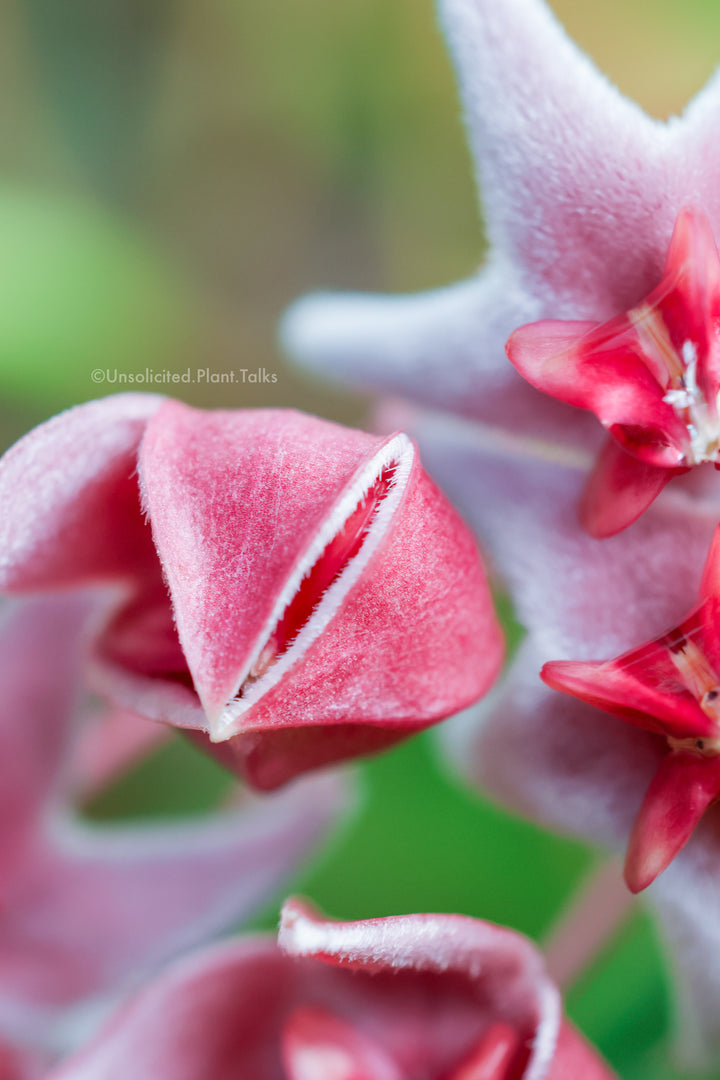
(529, 93)
(443, 348)
(105, 905)
(71, 511)
(40, 643)
(680, 793)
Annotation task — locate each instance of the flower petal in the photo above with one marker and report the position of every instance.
(40, 649)
(317, 1044)
(509, 969)
(435, 995)
(71, 512)
(207, 1015)
(402, 636)
(642, 687)
(530, 93)
(444, 348)
(619, 489)
(235, 500)
(103, 906)
(680, 793)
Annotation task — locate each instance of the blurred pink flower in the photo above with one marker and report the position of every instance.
(444, 996)
(580, 190)
(88, 909)
(323, 598)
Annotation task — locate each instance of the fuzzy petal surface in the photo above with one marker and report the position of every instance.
(269, 577)
(363, 1001)
(71, 509)
(88, 909)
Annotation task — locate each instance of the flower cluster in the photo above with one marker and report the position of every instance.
(292, 594)
(602, 288)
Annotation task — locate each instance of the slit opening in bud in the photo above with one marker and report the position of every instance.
(322, 578)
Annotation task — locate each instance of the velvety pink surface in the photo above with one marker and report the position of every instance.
(416, 642)
(234, 501)
(389, 999)
(87, 909)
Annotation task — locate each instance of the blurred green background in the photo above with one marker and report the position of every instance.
(171, 175)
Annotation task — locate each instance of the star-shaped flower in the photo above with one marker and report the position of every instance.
(444, 997)
(651, 376)
(554, 758)
(88, 909)
(670, 686)
(301, 591)
(580, 190)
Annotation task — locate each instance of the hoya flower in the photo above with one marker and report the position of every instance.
(651, 375)
(301, 591)
(670, 686)
(580, 190)
(88, 909)
(442, 996)
(559, 760)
